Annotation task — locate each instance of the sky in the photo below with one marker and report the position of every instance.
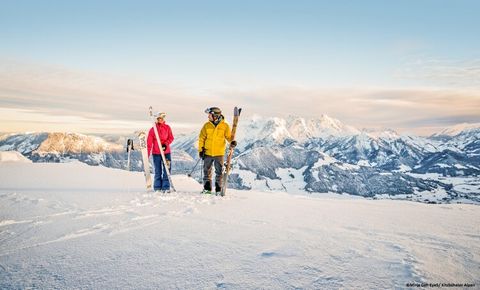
(96, 66)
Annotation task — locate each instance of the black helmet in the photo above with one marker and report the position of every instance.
(214, 111)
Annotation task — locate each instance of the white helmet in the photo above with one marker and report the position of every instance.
(160, 115)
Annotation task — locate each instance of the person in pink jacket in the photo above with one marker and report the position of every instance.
(161, 182)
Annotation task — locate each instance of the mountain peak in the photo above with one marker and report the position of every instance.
(13, 156)
(293, 127)
(76, 143)
(325, 126)
(385, 133)
(457, 129)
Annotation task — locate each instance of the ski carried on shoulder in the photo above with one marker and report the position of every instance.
(226, 170)
(164, 160)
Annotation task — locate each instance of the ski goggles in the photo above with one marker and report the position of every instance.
(213, 110)
(161, 115)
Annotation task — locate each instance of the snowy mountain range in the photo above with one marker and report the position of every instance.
(299, 154)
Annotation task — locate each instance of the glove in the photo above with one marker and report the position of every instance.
(233, 143)
(164, 147)
(201, 154)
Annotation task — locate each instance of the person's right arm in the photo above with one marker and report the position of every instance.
(150, 142)
(201, 138)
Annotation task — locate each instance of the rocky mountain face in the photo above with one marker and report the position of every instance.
(92, 150)
(61, 147)
(313, 155)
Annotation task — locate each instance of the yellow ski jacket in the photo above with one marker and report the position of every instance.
(212, 138)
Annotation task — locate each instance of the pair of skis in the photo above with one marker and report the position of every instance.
(142, 144)
(228, 163)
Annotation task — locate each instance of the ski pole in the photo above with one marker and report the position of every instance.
(201, 170)
(129, 149)
(190, 174)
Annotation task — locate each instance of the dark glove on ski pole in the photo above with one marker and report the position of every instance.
(201, 154)
(233, 143)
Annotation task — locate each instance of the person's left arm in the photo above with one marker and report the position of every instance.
(170, 136)
(228, 133)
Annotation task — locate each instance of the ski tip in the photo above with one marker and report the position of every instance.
(237, 111)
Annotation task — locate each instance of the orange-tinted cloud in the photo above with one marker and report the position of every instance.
(53, 98)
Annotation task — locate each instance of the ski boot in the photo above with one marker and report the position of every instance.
(207, 187)
(218, 188)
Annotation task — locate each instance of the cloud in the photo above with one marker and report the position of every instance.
(462, 73)
(401, 109)
(57, 98)
(63, 91)
(51, 94)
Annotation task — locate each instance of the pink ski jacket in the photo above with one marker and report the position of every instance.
(166, 137)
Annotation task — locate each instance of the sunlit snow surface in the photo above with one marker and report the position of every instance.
(70, 225)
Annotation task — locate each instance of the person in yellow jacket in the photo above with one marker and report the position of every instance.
(211, 147)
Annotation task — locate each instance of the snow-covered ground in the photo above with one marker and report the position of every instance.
(70, 225)
(468, 185)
